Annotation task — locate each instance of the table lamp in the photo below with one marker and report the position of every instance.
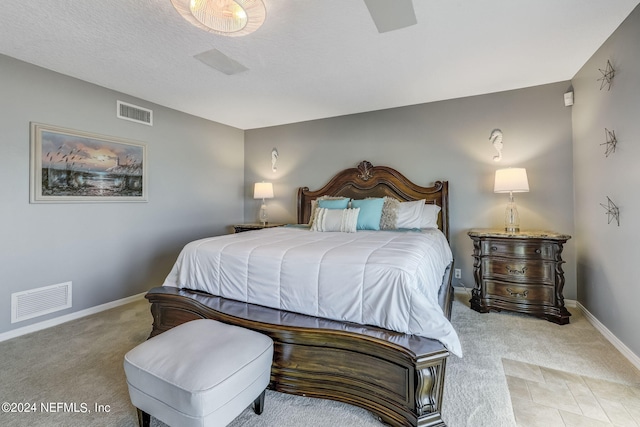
(511, 180)
(263, 190)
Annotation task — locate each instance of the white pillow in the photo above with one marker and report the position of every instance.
(430, 216)
(344, 220)
(314, 205)
(410, 214)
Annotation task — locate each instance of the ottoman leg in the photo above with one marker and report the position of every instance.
(144, 419)
(258, 404)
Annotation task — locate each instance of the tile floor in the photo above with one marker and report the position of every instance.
(548, 398)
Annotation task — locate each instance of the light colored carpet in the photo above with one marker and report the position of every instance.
(72, 367)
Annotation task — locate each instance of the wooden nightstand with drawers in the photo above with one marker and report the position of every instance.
(519, 272)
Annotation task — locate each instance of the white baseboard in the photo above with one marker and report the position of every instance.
(68, 317)
(626, 352)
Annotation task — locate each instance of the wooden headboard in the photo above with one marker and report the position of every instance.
(367, 180)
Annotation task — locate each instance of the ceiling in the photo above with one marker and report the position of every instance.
(311, 59)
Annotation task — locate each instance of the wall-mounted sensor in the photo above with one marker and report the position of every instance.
(568, 99)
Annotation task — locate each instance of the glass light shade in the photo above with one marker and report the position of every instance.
(511, 180)
(227, 17)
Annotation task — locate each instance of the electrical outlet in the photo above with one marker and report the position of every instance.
(457, 273)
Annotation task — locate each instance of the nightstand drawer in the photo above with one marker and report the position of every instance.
(529, 250)
(519, 270)
(530, 294)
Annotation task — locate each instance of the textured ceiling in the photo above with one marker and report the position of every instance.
(312, 58)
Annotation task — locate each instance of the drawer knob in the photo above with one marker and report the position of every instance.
(515, 271)
(494, 248)
(538, 251)
(522, 294)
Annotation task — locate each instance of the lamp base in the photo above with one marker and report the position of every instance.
(263, 215)
(511, 217)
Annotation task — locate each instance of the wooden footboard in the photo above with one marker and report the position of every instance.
(398, 377)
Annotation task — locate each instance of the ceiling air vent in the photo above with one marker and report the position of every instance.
(134, 113)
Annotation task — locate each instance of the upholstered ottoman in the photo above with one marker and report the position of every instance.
(201, 373)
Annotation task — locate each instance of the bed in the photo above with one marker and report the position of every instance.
(396, 375)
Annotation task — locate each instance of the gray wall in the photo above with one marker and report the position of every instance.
(108, 250)
(607, 253)
(446, 140)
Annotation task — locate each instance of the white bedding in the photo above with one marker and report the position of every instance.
(388, 279)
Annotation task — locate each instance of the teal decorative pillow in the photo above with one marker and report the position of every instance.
(333, 203)
(370, 213)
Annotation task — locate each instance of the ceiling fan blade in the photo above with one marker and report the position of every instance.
(389, 15)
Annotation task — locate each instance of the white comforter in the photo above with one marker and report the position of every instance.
(388, 279)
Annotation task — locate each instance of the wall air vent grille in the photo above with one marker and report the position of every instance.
(38, 302)
(134, 113)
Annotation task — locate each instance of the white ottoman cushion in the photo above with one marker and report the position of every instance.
(205, 371)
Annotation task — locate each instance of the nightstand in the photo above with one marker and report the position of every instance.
(519, 272)
(239, 228)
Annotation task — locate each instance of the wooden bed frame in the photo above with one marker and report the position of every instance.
(398, 377)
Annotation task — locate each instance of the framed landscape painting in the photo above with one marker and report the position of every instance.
(74, 166)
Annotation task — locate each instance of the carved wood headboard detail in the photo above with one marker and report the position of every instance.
(367, 180)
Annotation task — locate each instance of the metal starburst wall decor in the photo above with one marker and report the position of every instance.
(612, 211)
(607, 76)
(610, 142)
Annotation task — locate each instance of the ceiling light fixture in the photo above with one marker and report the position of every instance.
(227, 17)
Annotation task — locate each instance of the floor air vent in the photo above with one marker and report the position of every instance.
(134, 113)
(37, 302)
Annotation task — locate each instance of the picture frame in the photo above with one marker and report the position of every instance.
(71, 166)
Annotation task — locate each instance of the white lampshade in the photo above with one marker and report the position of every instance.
(511, 180)
(263, 190)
